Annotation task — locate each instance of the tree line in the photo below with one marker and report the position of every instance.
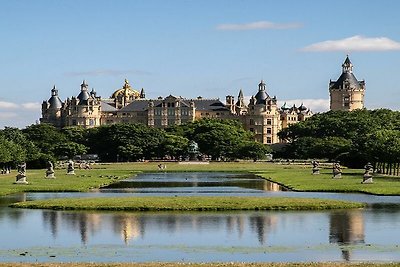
(216, 139)
(353, 138)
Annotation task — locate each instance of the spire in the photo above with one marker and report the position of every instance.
(54, 91)
(142, 93)
(240, 94)
(347, 66)
(84, 85)
(126, 85)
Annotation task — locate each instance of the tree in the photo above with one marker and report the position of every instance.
(10, 152)
(17, 137)
(220, 139)
(44, 136)
(68, 149)
(112, 141)
(253, 150)
(175, 146)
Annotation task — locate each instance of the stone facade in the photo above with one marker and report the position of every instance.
(261, 116)
(347, 93)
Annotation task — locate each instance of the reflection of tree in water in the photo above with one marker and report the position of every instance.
(235, 221)
(346, 228)
(13, 214)
(50, 218)
(262, 224)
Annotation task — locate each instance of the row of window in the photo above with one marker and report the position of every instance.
(269, 130)
(268, 122)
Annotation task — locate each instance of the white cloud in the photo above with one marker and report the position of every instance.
(31, 106)
(7, 105)
(315, 105)
(258, 25)
(354, 43)
(8, 115)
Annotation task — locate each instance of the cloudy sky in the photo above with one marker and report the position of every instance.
(209, 48)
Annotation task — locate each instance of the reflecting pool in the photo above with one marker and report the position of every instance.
(245, 236)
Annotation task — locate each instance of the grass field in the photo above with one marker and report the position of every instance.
(82, 181)
(187, 204)
(295, 177)
(299, 178)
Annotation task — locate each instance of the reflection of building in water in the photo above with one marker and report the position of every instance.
(346, 228)
(262, 224)
(128, 226)
(269, 186)
(84, 222)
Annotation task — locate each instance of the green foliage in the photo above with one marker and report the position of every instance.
(127, 141)
(221, 139)
(352, 137)
(44, 136)
(68, 149)
(175, 146)
(253, 150)
(22, 148)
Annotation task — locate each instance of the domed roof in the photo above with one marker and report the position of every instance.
(126, 91)
(261, 95)
(285, 106)
(302, 107)
(54, 100)
(84, 94)
(83, 97)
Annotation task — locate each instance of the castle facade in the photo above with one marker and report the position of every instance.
(261, 115)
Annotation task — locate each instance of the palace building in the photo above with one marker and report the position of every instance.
(347, 93)
(261, 115)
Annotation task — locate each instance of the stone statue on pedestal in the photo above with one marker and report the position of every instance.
(337, 171)
(21, 175)
(315, 169)
(70, 168)
(50, 170)
(367, 177)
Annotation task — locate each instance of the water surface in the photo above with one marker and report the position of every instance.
(245, 236)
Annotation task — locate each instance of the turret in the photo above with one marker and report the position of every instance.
(347, 93)
(84, 94)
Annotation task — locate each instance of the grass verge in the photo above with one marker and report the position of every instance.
(84, 180)
(187, 204)
(300, 178)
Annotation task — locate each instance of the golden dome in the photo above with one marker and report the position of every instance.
(126, 91)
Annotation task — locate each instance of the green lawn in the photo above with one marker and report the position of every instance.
(296, 177)
(300, 178)
(82, 181)
(187, 204)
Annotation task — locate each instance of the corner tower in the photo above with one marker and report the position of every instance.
(347, 93)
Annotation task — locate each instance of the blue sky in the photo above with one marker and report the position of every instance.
(195, 48)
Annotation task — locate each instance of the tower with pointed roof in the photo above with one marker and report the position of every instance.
(347, 93)
(51, 109)
(262, 116)
(241, 107)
